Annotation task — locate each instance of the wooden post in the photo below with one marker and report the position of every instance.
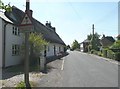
(26, 65)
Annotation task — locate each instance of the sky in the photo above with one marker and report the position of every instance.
(73, 19)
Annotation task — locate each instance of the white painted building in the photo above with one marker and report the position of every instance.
(54, 49)
(12, 39)
(10, 42)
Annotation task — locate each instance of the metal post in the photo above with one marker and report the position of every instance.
(27, 60)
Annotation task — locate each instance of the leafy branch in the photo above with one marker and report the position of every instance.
(5, 7)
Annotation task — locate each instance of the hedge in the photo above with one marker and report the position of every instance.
(110, 54)
(104, 51)
(117, 56)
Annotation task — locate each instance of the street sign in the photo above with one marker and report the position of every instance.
(26, 28)
(26, 24)
(26, 20)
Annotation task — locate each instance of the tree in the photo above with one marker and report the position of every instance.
(37, 45)
(116, 45)
(37, 41)
(94, 41)
(5, 7)
(68, 46)
(75, 45)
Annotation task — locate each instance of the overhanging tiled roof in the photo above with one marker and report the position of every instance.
(16, 16)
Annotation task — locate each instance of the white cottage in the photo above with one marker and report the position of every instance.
(11, 39)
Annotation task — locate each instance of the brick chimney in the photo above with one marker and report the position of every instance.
(28, 11)
(48, 24)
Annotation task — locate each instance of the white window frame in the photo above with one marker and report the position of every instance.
(15, 50)
(15, 31)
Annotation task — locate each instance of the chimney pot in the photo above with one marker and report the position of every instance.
(27, 4)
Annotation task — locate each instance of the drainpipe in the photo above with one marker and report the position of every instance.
(4, 44)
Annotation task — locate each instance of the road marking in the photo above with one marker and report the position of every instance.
(62, 65)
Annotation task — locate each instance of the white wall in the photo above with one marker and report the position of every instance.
(10, 40)
(81, 47)
(0, 42)
(50, 52)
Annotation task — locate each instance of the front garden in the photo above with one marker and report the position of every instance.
(112, 52)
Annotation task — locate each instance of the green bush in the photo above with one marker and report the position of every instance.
(21, 85)
(99, 53)
(117, 56)
(93, 52)
(110, 54)
(116, 45)
(96, 52)
(104, 51)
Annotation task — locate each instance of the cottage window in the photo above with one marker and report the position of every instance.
(13, 30)
(59, 49)
(16, 31)
(15, 50)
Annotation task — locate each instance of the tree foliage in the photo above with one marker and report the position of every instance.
(37, 41)
(75, 45)
(96, 36)
(116, 45)
(68, 46)
(94, 41)
(5, 7)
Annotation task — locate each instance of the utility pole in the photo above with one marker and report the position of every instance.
(93, 29)
(93, 40)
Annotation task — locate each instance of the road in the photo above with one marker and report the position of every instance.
(0, 78)
(82, 70)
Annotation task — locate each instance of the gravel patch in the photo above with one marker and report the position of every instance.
(13, 81)
(39, 78)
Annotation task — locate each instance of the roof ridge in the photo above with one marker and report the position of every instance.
(47, 33)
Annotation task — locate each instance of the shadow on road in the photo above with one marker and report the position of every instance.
(52, 58)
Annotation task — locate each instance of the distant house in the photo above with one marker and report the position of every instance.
(11, 39)
(84, 45)
(107, 41)
(118, 37)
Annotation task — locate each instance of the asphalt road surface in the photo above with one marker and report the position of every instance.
(82, 70)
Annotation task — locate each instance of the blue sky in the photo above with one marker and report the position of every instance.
(73, 20)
